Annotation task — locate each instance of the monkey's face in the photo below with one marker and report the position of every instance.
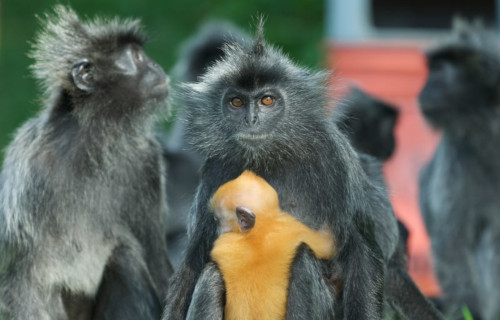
(460, 85)
(255, 106)
(127, 78)
(136, 69)
(253, 115)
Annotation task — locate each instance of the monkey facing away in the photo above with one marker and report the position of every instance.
(82, 186)
(256, 110)
(257, 247)
(368, 123)
(460, 185)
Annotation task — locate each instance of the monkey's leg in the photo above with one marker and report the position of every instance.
(424, 197)
(404, 296)
(197, 256)
(126, 290)
(361, 262)
(24, 300)
(310, 296)
(488, 261)
(184, 281)
(208, 296)
(158, 263)
(456, 270)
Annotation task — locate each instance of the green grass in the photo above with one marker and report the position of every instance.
(466, 313)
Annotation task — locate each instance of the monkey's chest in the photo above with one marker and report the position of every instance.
(76, 260)
(463, 189)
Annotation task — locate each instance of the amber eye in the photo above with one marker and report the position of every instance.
(236, 102)
(267, 100)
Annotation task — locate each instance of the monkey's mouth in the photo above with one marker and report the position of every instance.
(161, 89)
(251, 137)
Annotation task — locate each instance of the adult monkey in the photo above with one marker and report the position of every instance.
(459, 186)
(256, 110)
(82, 187)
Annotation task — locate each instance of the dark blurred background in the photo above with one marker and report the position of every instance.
(295, 25)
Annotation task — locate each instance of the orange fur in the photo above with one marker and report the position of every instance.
(256, 264)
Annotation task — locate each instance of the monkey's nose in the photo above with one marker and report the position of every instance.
(251, 117)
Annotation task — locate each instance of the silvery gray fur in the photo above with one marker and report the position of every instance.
(82, 184)
(460, 186)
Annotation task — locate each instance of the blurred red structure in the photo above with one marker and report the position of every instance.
(396, 74)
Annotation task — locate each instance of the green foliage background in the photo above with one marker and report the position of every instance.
(294, 25)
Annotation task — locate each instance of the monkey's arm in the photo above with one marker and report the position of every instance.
(423, 195)
(209, 295)
(310, 296)
(404, 296)
(200, 242)
(127, 290)
(360, 260)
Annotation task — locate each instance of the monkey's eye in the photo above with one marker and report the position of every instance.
(137, 55)
(267, 100)
(236, 102)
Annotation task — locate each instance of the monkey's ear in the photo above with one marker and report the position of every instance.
(82, 76)
(246, 218)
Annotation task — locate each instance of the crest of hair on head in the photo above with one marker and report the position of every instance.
(64, 39)
(258, 46)
(473, 35)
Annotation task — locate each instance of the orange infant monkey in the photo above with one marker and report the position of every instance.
(257, 246)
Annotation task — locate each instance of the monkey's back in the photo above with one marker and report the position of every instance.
(256, 265)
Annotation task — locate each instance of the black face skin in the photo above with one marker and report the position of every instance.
(82, 190)
(294, 146)
(252, 114)
(140, 70)
(458, 188)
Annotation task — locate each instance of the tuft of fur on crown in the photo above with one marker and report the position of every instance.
(64, 39)
(470, 36)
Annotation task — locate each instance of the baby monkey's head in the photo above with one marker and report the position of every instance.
(237, 202)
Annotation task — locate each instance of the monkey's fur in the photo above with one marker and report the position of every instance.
(257, 247)
(297, 150)
(184, 163)
(368, 123)
(459, 187)
(82, 185)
